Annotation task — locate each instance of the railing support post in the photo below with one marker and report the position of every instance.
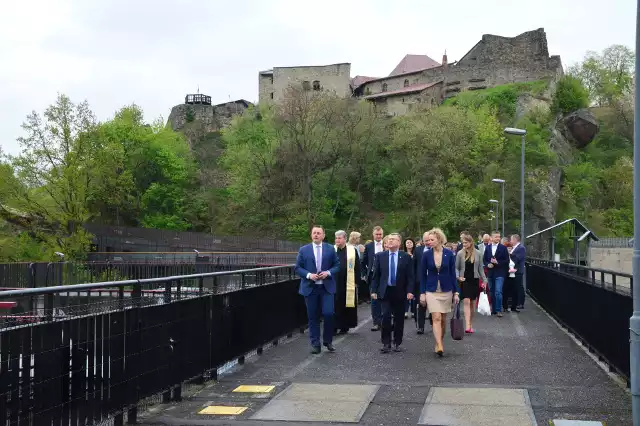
(634, 323)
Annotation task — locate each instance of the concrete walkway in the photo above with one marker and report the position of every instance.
(517, 370)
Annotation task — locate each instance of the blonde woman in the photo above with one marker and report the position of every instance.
(469, 270)
(384, 243)
(438, 284)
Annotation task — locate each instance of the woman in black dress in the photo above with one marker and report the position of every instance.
(409, 247)
(469, 270)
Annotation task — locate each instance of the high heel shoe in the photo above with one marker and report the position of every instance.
(439, 351)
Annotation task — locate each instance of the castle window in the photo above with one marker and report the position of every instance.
(406, 82)
(384, 87)
(306, 85)
(316, 85)
(271, 95)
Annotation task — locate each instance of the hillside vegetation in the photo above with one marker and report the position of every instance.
(320, 159)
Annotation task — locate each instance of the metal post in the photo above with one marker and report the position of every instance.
(522, 190)
(634, 323)
(502, 209)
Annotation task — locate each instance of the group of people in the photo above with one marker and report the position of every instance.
(401, 278)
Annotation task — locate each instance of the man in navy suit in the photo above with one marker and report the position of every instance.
(393, 283)
(370, 250)
(518, 254)
(496, 259)
(316, 264)
(421, 314)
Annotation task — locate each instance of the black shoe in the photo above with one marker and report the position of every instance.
(375, 328)
(315, 350)
(344, 331)
(421, 331)
(515, 310)
(329, 347)
(397, 348)
(385, 349)
(494, 313)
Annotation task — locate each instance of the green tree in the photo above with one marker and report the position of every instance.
(570, 95)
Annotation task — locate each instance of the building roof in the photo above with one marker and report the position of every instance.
(360, 79)
(412, 63)
(237, 101)
(405, 90)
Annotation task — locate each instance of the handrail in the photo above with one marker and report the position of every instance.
(572, 265)
(124, 283)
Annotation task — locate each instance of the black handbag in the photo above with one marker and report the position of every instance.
(457, 326)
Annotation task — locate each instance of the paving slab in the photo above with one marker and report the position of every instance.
(475, 415)
(562, 422)
(478, 396)
(319, 403)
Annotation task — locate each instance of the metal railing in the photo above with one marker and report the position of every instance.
(135, 266)
(581, 299)
(612, 280)
(124, 341)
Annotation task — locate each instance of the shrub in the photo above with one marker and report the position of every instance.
(570, 95)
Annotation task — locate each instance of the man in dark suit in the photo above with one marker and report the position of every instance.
(518, 254)
(370, 250)
(496, 259)
(421, 314)
(393, 282)
(316, 265)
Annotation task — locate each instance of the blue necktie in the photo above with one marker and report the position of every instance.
(392, 272)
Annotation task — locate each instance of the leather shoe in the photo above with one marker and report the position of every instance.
(329, 347)
(386, 349)
(421, 331)
(315, 350)
(375, 328)
(397, 348)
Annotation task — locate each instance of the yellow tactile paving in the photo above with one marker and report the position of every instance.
(222, 410)
(254, 389)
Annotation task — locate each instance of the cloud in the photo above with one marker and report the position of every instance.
(117, 52)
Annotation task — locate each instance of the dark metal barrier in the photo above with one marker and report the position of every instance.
(595, 312)
(81, 369)
(130, 266)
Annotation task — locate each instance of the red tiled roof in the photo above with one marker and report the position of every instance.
(409, 89)
(411, 63)
(360, 79)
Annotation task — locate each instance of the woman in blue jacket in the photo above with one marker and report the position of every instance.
(438, 284)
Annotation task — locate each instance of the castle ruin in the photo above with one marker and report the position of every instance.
(420, 80)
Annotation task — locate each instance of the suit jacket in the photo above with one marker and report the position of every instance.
(501, 269)
(447, 275)
(478, 267)
(418, 268)
(404, 274)
(518, 255)
(306, 264)
(368, 261)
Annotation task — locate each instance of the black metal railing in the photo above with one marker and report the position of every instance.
(134, 339)
(131, 266)
(581, 300)
(616, 281)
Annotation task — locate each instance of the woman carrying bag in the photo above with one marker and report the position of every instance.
(438, 285)
(469, 270)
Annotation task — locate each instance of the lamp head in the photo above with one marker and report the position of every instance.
(514, 131)
(498, 180)
(494, 201)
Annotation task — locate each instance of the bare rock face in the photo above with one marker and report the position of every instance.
(580, 127)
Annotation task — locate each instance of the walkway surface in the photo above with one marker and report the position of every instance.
(517, 370)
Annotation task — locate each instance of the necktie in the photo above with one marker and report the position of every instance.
(318, 260)
(392, 272)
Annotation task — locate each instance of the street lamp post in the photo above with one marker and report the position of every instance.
(634, 323)
(501, 182)
(496, 202)
(520, 132)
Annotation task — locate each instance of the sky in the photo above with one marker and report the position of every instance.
(114, 53)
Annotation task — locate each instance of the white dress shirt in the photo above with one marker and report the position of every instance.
(377, 247)
(317, 248)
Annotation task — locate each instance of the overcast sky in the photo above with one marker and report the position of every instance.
(117, 52)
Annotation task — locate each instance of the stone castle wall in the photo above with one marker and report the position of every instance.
(211, 118)
(335, 78)
(491, 62)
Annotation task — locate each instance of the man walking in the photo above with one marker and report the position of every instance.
(518, 254)
(496, 259)
(316, 265)
(421, 314)
(392, 285)
(370, 250)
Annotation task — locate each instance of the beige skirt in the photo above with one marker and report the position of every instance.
(439, 301)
